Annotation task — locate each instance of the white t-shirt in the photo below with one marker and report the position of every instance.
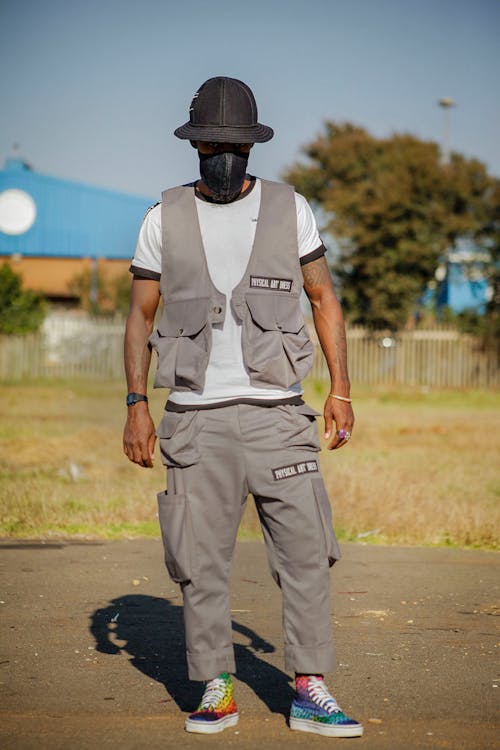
(228, 232)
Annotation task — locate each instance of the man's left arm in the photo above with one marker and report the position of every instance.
(330, 327)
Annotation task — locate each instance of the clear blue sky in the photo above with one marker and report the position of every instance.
(92, 90)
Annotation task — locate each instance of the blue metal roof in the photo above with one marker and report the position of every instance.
(72, 220)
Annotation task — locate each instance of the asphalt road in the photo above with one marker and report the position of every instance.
(91, 652)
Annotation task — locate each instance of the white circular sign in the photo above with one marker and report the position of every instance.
(17, 211)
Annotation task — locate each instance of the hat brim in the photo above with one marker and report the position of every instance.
(225, 134)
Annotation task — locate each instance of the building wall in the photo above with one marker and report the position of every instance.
(74, 228)
(54, 276)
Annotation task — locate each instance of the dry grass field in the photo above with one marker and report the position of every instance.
(421, 468)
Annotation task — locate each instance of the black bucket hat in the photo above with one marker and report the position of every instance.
(224, 110)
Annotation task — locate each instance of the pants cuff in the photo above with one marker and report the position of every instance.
(307, 660)
(206, 666)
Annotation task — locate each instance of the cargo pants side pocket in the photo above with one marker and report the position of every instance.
(178, 438)
(177, 533)
(297, 426)
(331, 546)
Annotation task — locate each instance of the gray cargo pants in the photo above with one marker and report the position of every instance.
(216, 457)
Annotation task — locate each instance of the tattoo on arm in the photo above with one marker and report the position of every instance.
(340, 350)
(328, 318)
(315, 274)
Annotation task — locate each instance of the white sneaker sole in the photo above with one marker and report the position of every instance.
(327, 730)
(211, 727)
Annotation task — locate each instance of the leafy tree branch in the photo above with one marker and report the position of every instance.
(394, 208)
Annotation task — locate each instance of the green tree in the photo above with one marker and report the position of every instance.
(121, 286)
(110, 295)
(394, 208)
(21, 311)
(492, 316)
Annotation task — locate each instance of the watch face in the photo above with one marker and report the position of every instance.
(130, 399)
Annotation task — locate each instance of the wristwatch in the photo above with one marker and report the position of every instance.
(133, 398)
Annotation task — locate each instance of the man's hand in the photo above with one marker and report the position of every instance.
(342, 414)
(139, 435)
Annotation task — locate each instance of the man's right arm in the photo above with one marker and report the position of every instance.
(139, 433)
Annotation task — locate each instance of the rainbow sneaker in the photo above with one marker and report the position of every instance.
(315, 710)
(217, 709)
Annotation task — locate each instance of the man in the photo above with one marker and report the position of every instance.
(230, 254)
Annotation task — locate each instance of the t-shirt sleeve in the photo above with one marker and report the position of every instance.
(310, 245)
(146, 263)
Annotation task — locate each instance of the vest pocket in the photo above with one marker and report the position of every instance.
(182, 342)
(177, 533)
(178, 437)
(325, 516)
(276, 346)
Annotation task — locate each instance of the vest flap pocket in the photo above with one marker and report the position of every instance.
(275, 312)
(185, 317)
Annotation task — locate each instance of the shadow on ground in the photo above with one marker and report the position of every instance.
(151, 630)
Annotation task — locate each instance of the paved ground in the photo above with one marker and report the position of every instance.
(91, 651)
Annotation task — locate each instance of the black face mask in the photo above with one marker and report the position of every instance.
(224, 174)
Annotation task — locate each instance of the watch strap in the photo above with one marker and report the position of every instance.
(133, 398)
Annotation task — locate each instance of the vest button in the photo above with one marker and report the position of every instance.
(218, 310)
(181, 331)
(279, 326)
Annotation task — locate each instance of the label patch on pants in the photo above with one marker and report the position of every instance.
(267, 282)
(293, 470)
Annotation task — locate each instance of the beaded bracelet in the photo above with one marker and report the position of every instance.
(341, 398)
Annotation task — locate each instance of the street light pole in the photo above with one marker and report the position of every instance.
(446, 103)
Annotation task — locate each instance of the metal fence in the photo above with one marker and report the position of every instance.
(82, 347)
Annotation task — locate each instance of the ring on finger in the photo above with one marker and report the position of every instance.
(344, 434)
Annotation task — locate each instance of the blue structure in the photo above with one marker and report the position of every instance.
(71, 220)
(463, 279)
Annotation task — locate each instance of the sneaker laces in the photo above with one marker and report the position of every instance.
(319, 694)
(214, 692)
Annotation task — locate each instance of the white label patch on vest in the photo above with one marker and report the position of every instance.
(295, 470)
(268, 282)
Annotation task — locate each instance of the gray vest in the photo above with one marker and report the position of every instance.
(277, 351)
